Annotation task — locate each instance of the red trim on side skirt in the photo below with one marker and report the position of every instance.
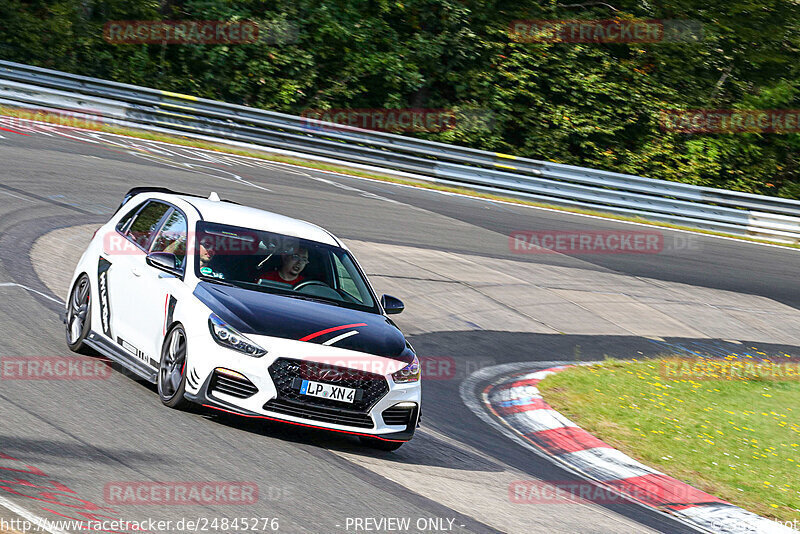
(302, 424)
(166, 305)
(329, 330)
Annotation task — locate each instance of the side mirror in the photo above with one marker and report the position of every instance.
(164, 261)
(392, 304)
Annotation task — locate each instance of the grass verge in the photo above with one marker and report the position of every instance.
(737, 439)
(343, 169)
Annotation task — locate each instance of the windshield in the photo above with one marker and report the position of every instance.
(280, 264)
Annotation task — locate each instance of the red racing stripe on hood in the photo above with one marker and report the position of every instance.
(329, 330)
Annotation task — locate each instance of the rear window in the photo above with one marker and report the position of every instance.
(123, 223)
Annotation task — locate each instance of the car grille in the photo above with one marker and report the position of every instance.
(235, 387)
(318, 413)
(284, 371)
(398, 415)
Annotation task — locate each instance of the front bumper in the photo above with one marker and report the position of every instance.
(270, 402)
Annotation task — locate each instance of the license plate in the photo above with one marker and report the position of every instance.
(328, 391)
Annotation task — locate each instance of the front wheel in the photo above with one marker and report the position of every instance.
(172, 369)
(79, 317)
(380, 444)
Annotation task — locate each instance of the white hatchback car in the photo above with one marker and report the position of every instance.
(247, 312)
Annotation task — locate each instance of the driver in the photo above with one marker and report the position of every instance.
(289, 271)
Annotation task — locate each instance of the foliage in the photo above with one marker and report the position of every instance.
(596, 105)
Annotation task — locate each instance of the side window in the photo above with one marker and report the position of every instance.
(123, 223)
(172, 237)
(345, 280)
(146, 223)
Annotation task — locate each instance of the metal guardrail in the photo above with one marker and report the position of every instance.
(553, 183)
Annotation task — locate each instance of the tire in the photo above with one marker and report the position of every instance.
(171, 378)
(380, 444)
(79, 316)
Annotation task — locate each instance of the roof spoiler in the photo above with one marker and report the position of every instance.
(139, 190)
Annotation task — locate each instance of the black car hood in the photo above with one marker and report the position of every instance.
(255, 312)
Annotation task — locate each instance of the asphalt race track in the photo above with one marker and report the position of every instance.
(453, 477)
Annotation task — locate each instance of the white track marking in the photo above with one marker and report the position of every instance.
(366, 194)
(602, 463)
(538, 420)
(26, 288)
(40, 524)
(15, 124)
(16, 196)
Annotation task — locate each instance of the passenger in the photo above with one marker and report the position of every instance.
(206, 253)
(289, 271)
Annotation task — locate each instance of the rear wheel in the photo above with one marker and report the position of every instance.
(380, 444)
(172, 369)
(79, 317)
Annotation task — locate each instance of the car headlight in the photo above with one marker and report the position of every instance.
(409, 373)
(229, 337)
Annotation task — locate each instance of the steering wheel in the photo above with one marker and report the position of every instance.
(307, 283)
(316, 288)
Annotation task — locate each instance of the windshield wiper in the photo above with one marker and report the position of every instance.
(313, 299)
(219, 281)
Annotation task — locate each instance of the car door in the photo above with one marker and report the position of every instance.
(126, 286)
(113, 274)
(156, 299)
